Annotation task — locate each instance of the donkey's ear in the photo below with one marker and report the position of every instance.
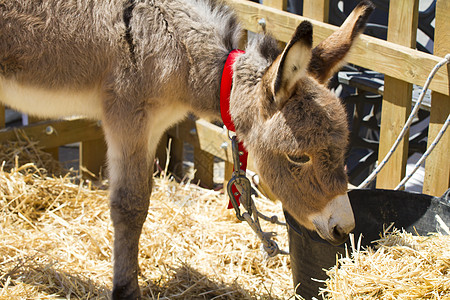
(292, 64)
(328, 56)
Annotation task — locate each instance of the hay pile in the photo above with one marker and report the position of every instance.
(402, 266)
(56, 241)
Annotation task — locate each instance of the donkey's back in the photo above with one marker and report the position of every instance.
(61, 57)
(54, 54)
(58, 43)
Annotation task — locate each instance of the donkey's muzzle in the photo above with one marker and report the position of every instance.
(335, 221)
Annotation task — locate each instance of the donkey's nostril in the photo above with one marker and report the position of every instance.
(339, 234)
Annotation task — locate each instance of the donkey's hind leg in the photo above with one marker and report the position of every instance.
(130, 171)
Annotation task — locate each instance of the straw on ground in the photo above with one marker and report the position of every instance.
(56, 241)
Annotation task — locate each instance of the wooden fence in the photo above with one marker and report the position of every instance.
(396, 58)
(52, 134)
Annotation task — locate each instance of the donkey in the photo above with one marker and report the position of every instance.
(142, 66)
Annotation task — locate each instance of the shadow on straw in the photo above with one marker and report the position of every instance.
(187, 283)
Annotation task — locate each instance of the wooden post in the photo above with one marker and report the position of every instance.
(204, 167)
(437, 167)
(2, 117)
(161, 150)
(316, 9)
(176, 152)
(228, 172)
(176, 156)
(93, 158)
(396, 107)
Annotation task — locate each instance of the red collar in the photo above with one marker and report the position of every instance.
(225, 88)
(225, 91)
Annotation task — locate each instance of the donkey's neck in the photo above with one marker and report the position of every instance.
(209, 30)
(205, 72)
(245, 106)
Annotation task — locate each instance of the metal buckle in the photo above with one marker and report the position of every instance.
(243, 186)
(240, 181)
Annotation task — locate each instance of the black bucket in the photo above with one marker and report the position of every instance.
(310, 254)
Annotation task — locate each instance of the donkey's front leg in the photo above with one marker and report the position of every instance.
(128, 212)
(130, 168)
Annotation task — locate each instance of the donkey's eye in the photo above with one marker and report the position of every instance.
(298, 159)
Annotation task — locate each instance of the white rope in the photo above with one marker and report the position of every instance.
(375, 172)
(269, 245)
(425, 155)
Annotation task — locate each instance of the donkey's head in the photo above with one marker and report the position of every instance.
(298, 132)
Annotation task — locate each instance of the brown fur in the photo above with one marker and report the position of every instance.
(329, 55)
(141, 66)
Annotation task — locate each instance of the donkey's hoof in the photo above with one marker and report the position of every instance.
(126, 292)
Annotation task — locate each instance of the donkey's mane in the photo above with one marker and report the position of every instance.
(231, 32)
(220, 16)
(266, 45)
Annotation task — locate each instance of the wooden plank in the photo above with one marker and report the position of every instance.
(210, 144)
(442, 34)
(204, 167)
(228, 172)
(54, 151)
(93, 158)
(277, 4)
(213, 139)
(316, 9)
(57, 133)
(437, 167)
(385, 57)
(395, 110)
(396, 107)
